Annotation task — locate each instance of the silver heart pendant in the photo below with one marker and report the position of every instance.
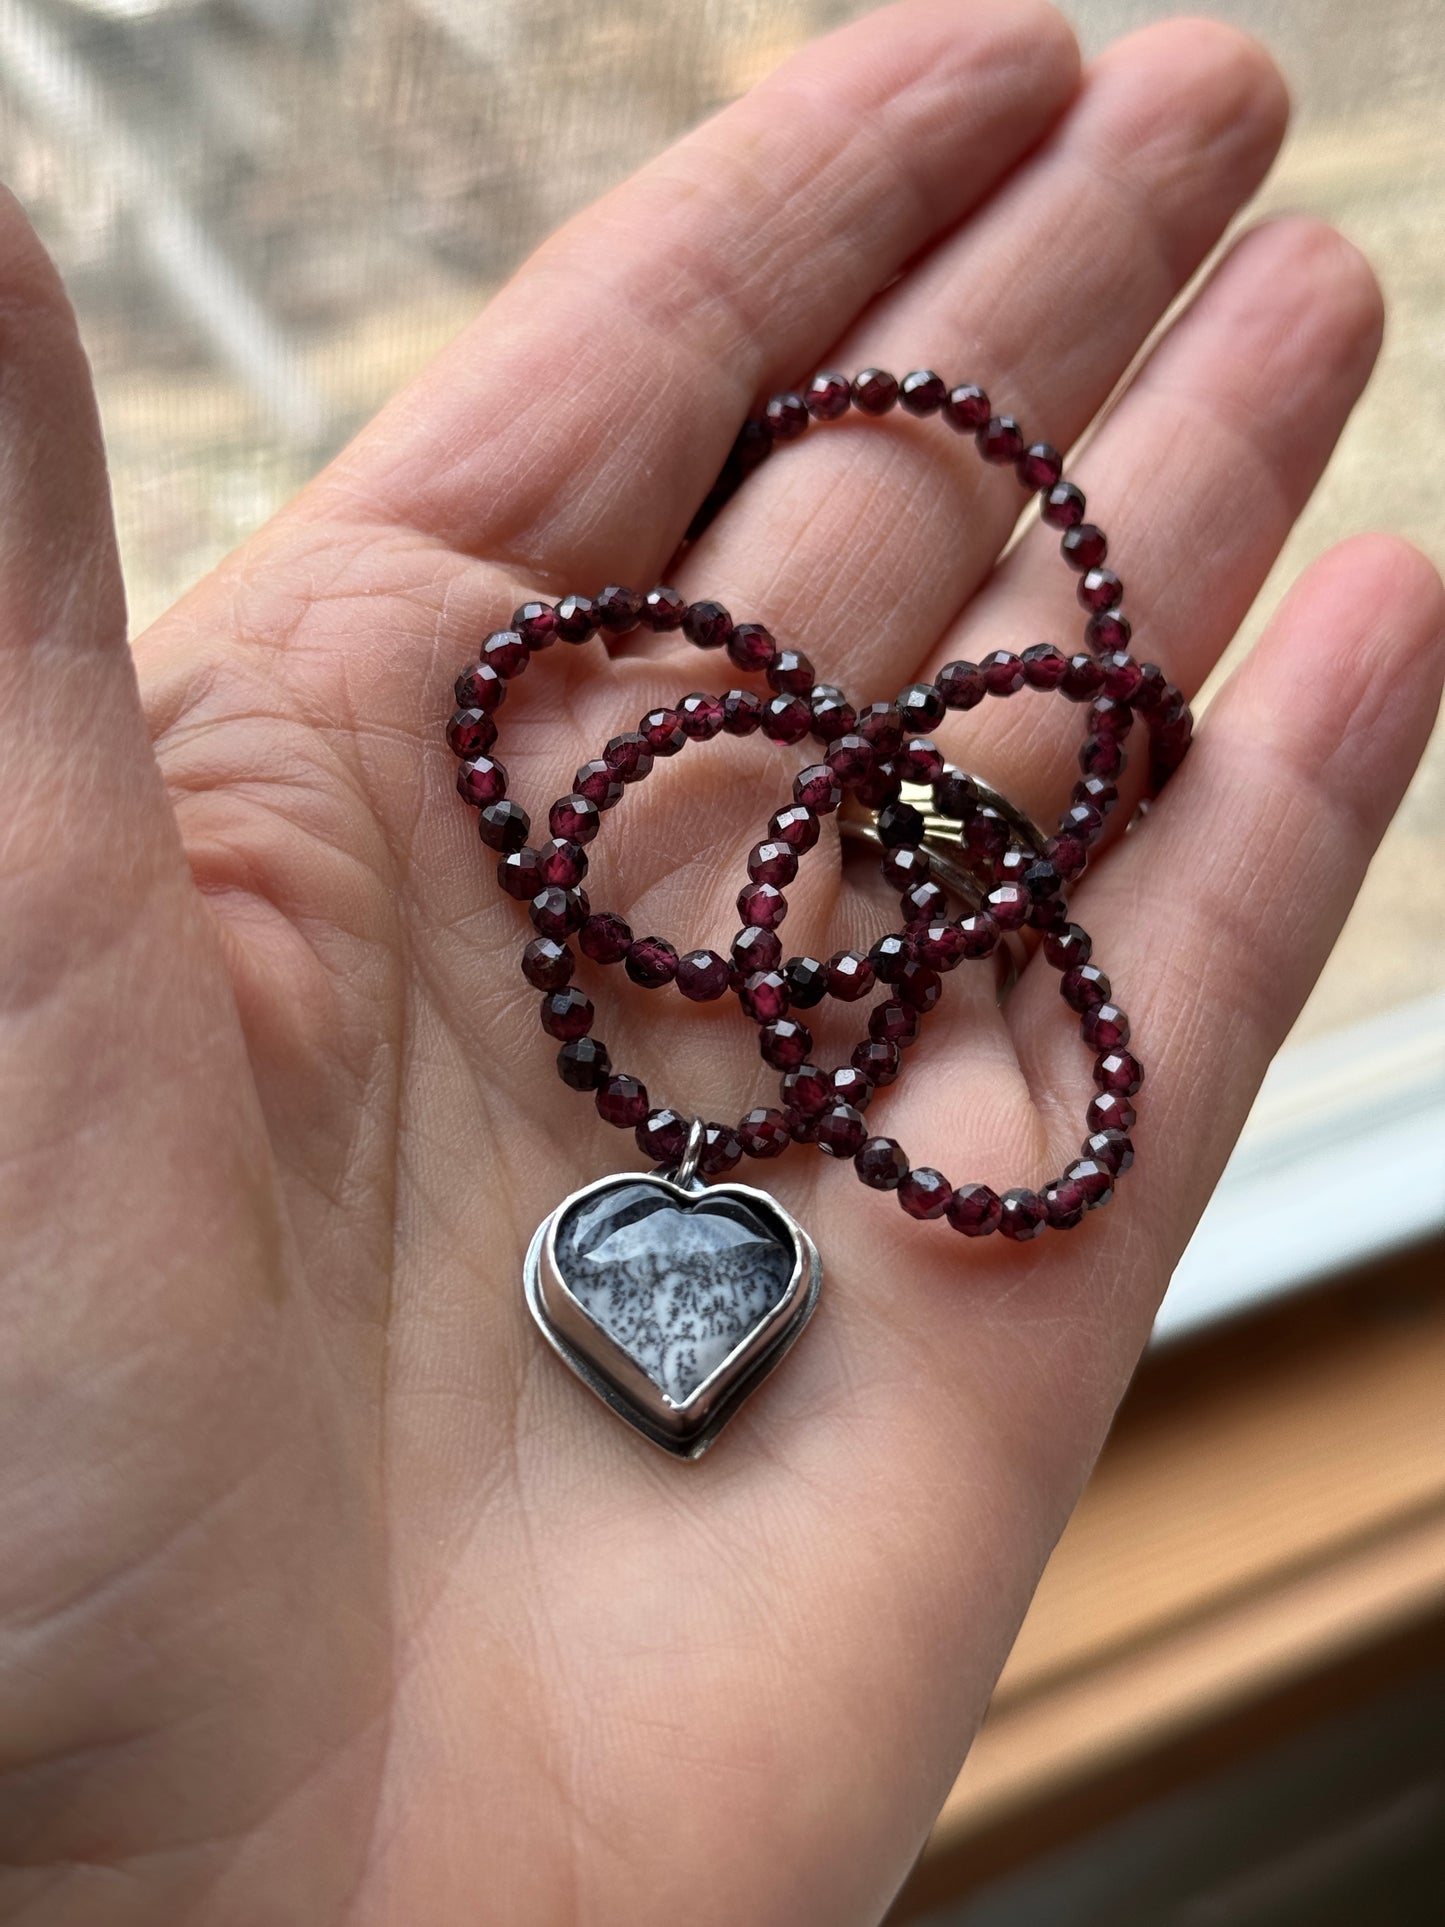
(672, 1300)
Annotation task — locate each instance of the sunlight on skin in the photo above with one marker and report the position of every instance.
(326, 1595)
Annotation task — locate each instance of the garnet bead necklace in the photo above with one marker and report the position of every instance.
(670, 1298)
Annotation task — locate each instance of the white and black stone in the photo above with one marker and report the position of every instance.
(677, 1286)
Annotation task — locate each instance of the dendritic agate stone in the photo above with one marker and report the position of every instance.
(677, 1286)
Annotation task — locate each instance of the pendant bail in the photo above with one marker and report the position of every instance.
(686, 1172)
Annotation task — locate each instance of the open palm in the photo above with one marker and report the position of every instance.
(325, 1594)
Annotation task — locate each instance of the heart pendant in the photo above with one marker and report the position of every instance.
(671, 1299)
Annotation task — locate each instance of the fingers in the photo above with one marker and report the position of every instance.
(573, 430)
(1213, 920)
(1045, 298)
(1198, 475)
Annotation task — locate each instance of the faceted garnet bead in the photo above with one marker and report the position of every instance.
(850, 976)
(519, 874)
(470, 732)
(786, 719)
(787, 417)
(879, 1063)
(1083, 546)
(480, 687)
(576, 619)
(703, 976)
(605, 937)
(573, 819)
(925, 1193)
(851, 1086)
(807, 981)
(764, 1133)
(772, 863)
(751, 646)
(791, 674)
(707, 624)
(618, 610)
(721, 1150)
(762, 904)
(756, 948)
(967, 407)
(975, 1210)
(1084, 987)
(558, 913)
(1000, 439)
(562, 862)
(1064, 1204)
(651, 962)
(663, 609)
(763, 994)
(840, 1131)
(1111, 1111)
(597, 784)
(506, 653)
(1063, 506)
(880, 1163)
(874, 391)
(922, 392)
(546, 964)
(536, 624)
(567, 1013)
(806, 1090)
(1022, 1214)
(828, 397)
(583, 1063)
(701, 716)
(1118, 1070)
(504, 826)
(621, 1100)
(785, 1044)
(1040, 466)
(662, 1136)
(1104, 1027)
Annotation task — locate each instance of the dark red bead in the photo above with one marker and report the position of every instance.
(1111, 1111)
(576, 618)
(832, 714)
(922, 392)
(628, 757)
(1009, 906)
(546, 964)
(852, 1086)
(1063, 506)
(536, 624)
(742, 712)
(889, 956)
(1108, 631)
(605, 937)
(791, 674)
(924, 903)
(506, 653)
(1154, 689)
(1068, 946)
(818, 789)
(840, 1131)
(900, 824)
(663, 609)
(806, 1090)
(567, 1013)
(881, 726)
(940, 945)
(787, 417)
(1003, 673)
(1110, 718)
(880, 1063)
(558, 913)
(763, 994)
(1099, 589)
(480, 687)
(980, 935)
(772, 863)
(1118, 1070)
(662, 731)
(562, 862)
(583, 1063)
(1064, 1204)
(662, 1136)
(1000, 439)
(967, 407)
(986, 835)
(1083, 546)
(519, 874)
(764, 1133)
(882, 785)
(597, 784)
(618, 610)
(1102, 756)
(1104, 1027)
(919, 760)
(961, 685)
(721, 1150)
(785, 1044)
(919, 987)
(851, 759)
(850, 976)
(701, 716)
(955, 794)
(651, 962)
(787, 719)
(905, 866)
(1083, 679)
(807, 981)
(707, 624)
(471, 732)
(751, 646)
(703, 976)
(1122, 676)
(1084, 987)
(880, 1163)
(828, 396)
(622, 1100)
(874, 391)
(1096, 791)
(975, 1210)
(1044, 666)
(925, 1193)
(795, 826)
(756, 948)
(572, 819)
(763, 904)
(1040, 465)
(893, 1023)
(1112, 1149)
(1022, 1214)
(1095, 1180)
(504, 826)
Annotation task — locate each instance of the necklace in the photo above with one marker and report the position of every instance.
(670, 1297)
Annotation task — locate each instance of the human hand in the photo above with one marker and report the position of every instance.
(325, 1594)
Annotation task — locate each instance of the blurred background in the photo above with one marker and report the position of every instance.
(1227, 1704)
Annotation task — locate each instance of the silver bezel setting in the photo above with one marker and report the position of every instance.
(688, 1428)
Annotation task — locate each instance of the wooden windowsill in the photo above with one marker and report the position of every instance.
(1268, 1512)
